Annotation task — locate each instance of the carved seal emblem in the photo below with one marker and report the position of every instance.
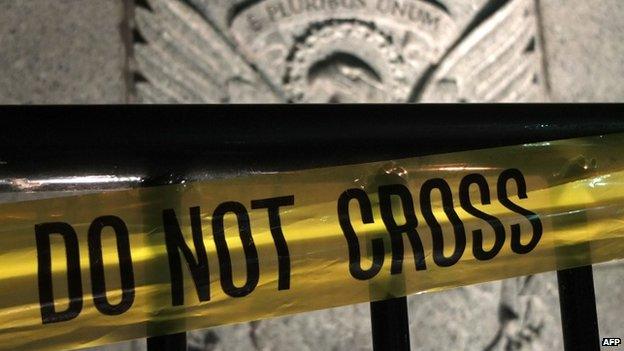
(337, 51)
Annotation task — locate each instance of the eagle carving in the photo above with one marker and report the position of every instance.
(259, 51)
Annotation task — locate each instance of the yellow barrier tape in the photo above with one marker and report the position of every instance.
(89, 270)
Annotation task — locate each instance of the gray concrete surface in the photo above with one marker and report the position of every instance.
(61, 51)
(609, 285)
(584, 42)
(70, 51)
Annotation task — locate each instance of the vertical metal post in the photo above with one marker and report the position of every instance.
(171, 342)
(389, 320)
(390, 324)
(577, 301)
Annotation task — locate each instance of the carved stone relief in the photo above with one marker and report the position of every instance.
(337, 51)
(211, 51)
